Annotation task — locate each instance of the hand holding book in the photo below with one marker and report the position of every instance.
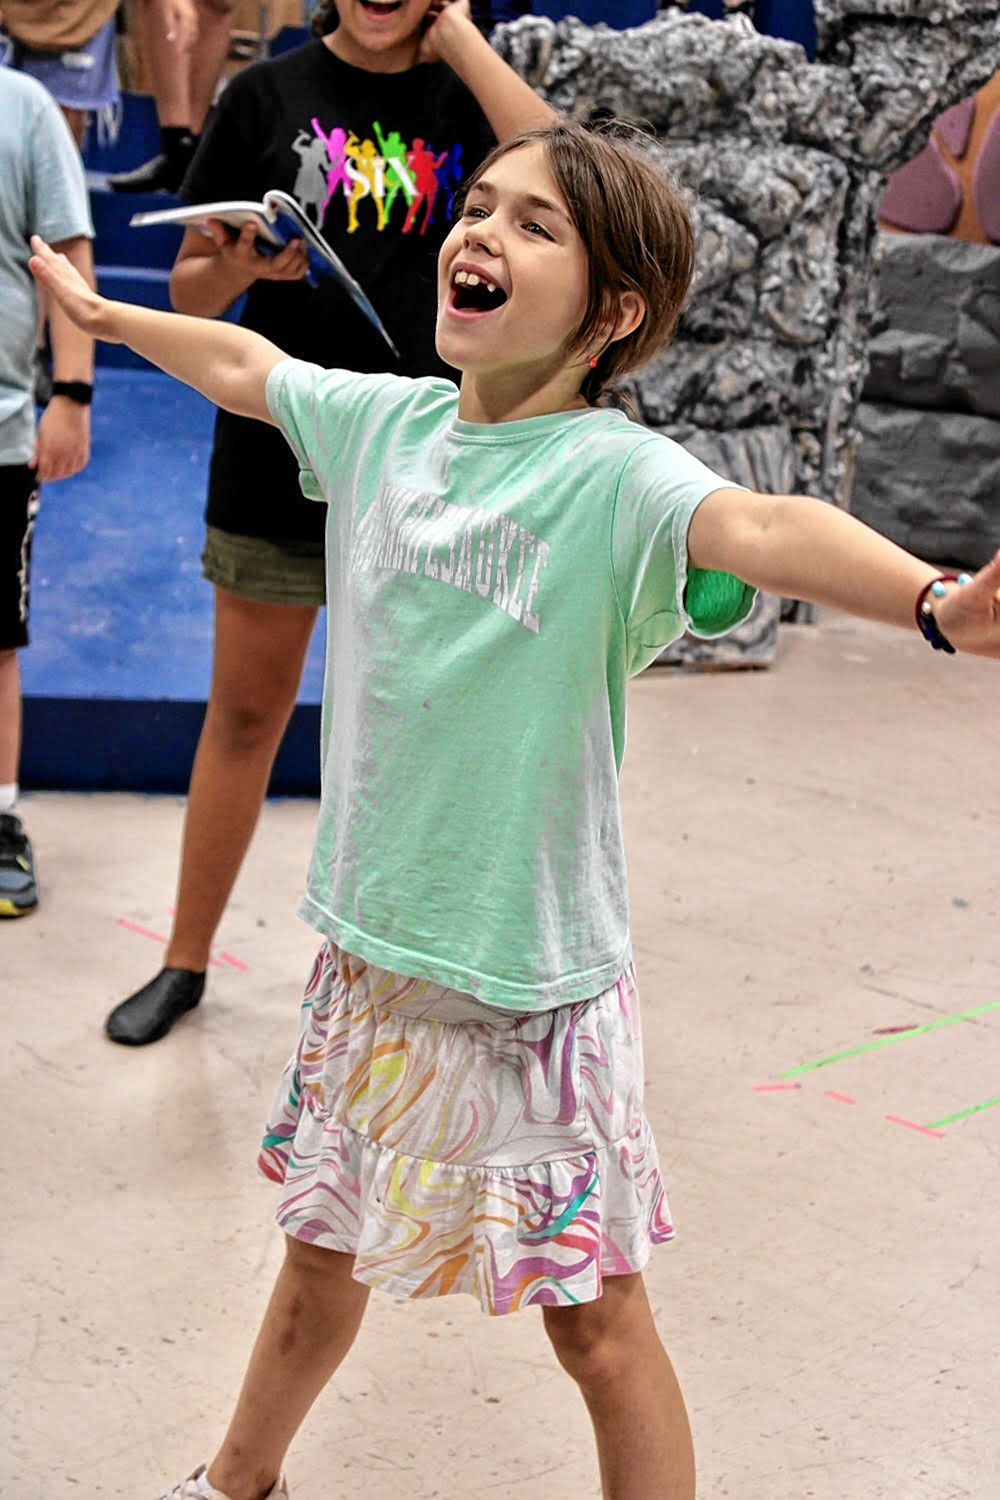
(253, 259)
(278, 221)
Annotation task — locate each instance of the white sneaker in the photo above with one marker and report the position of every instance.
(197, 1487)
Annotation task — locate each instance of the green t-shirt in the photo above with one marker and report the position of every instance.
(491, 590)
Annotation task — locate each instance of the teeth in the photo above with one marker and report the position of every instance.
(490, 287)
(472, 279)
(461, 277)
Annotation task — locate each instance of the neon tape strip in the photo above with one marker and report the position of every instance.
(223, 958)
(236, 963)
(889, 1041)
(963, 1114)
(157, 937)
(840, 1098)
(911, 1125)
(142, 931)
(774, 1088)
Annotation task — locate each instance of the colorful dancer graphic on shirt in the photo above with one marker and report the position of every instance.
(338, 144)
(369, 180)
(397, 172)
(340, 160)
(425, 166)
(311, 184)
(450, 177)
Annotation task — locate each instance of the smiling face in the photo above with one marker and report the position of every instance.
(512, 275)
(372, 28)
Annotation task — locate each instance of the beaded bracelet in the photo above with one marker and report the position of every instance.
(924, 613)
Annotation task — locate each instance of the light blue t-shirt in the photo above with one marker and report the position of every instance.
(42, 191)
(491, 589)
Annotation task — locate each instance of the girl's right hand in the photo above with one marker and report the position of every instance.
(81, 304)
(292, 264)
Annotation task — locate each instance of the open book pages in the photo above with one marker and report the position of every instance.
(279, 219)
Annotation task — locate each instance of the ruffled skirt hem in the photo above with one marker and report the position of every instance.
(519, 1209)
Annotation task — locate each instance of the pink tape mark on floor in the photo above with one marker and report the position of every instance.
(157, 937)
(895, 1030)
(840, 1098)
(911, 1125)
(236, 963)
(223, 958)
(774, 1088)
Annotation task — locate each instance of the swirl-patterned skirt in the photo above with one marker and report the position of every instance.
(450, 1146)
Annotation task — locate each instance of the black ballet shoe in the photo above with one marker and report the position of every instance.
(164, 172)
(149, 1014)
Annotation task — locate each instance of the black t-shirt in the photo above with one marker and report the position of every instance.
(375, 159)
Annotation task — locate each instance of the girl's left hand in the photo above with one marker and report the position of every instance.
(970, 617)
(441, 16)
(63, 445)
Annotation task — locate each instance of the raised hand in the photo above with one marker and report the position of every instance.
(292, 264)
(81, 304)
(441, 16)
(970, 616)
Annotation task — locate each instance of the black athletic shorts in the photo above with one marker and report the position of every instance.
(18, 513)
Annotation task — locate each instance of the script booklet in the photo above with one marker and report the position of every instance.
(279, 219)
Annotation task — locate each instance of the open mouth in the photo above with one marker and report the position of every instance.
(471, 293)
(381, 8)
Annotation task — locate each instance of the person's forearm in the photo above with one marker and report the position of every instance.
(228, 364)
(811, 550)
(510, 104)
(206, 286)
(72, 349)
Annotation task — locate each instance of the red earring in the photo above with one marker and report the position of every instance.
(593, 362)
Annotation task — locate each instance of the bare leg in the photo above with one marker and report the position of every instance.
(10, 716)
(259, 654)
(311, 1322)
(169, 71)
(209, 57)
(613, 1351)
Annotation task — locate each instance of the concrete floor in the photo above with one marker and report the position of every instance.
(814, 859)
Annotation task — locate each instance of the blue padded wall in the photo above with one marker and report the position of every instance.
(120, 660)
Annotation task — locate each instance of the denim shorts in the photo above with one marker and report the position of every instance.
(86, 79)
(289, 573)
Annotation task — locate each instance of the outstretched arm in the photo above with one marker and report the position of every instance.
(227, 364)
(806, 549)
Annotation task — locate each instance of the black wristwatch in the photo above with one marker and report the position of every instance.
(80, 391)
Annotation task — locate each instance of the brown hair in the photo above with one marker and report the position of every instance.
(635, 227)
(325, 19)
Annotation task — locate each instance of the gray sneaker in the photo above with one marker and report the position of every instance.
(197, 1487)
(18, 885)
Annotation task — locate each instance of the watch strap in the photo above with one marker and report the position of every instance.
(80, 391)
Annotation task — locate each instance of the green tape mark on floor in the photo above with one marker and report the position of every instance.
(889, 1041)
(963, 1114)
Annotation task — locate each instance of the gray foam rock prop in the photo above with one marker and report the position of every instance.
(787, 160)
(938, 338)
(955, 520)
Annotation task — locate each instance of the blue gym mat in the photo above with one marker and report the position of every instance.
(120, 659)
